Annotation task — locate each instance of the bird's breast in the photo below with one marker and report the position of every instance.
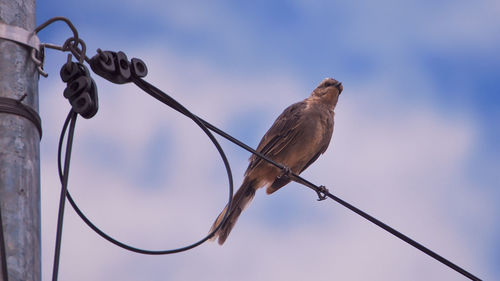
(314, 132)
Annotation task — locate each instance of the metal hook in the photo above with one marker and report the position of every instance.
(52, 20)
(71, 45)
(39, 62)
(68, 63)
(65, 47)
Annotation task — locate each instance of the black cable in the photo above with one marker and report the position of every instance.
(405, 238)
(186, 112)
(3, 251)
(158, 94)
(72, 116)
(206, 127)
(394, 232)
(322, 192)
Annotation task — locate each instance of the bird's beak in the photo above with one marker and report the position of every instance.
(339, 87)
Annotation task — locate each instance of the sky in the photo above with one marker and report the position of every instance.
(416, 140)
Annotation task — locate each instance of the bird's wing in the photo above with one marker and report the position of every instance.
(327, 136)
(281, 133)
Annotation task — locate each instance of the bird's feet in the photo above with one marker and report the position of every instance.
(286, 172)
(322, 193)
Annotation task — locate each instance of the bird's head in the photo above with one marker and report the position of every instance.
(328, 91)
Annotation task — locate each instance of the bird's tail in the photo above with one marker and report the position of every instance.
(240, 201)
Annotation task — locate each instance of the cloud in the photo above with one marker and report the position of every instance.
(151, 178)
(404, 163)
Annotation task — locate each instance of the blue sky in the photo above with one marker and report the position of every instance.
(416, 141)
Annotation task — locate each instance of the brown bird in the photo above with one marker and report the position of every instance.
(296, 139)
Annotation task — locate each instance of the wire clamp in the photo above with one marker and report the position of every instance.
(116, 68)
(322, 192)
(81, 90)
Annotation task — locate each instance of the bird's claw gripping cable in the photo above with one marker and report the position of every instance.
(286, 172)
(322, 193)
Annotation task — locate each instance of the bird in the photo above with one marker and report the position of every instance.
(295, 140)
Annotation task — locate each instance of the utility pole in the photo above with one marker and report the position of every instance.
(19, 149)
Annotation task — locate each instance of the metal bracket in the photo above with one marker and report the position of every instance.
(19, 35)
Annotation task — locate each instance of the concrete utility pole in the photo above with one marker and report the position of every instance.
(19, 151)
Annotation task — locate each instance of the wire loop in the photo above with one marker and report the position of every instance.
(39, 61)
(71, 45)
(62, 176)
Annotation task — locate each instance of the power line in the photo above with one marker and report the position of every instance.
(71, 119)
(116, 68)
(321, 190)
